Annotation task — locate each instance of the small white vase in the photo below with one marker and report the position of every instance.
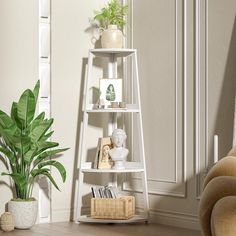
(112, 37)
(25, 213)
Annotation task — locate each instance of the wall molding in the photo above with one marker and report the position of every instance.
(44, 96)
(180, 178)
(201, 169)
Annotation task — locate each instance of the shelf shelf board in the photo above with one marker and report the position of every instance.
(106, 52)
(130, 108)
(126, 170)
(130, 166)
(136, 218)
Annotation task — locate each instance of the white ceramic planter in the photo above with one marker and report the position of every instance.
(25, 213)
(112, 37)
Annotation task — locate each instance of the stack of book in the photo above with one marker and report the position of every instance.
(105, 192)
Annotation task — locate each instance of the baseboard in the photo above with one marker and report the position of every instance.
(175, 219)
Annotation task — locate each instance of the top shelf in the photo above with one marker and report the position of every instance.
(107, 52)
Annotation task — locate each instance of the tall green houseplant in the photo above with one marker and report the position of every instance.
(24, 144)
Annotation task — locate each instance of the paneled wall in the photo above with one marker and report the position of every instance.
(187, 67)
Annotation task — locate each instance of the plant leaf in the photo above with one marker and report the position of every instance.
(36, 90)
(7, 122)
(42, 146)
(14, 115)
(57, 165)
(46, 154)
(19, 179)
(45, 172)
(9, 155)
(26, 108)
(38, 131)
(46, 136)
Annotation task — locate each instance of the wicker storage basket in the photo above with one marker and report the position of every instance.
(113, 208)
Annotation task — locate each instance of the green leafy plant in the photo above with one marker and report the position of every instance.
(112, 14)
(24, 144)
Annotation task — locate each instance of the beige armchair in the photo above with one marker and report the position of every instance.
(217, 209)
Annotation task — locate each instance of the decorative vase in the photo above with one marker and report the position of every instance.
(25, 213)
(112, 37)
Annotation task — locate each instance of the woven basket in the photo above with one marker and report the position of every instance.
(118, 208)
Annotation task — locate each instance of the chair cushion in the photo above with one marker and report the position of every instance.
(223, 217)
(215, 190)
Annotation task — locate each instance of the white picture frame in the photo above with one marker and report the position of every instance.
(111, 91)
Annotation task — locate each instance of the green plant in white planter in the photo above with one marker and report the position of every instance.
(25, 148)
(111, 20)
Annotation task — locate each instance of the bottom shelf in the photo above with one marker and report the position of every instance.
(136, 218)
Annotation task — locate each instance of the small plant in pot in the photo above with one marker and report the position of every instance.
(111, 22)
(25, 149)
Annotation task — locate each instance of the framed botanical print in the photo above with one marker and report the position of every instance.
(111, 91)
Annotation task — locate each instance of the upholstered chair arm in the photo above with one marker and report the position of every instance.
(223, 217)
(225, 167)
(232, 152)
(218, 188)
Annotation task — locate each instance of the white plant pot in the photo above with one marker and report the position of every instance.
(25, 213)
(112, 37)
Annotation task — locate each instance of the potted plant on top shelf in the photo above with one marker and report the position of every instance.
(111, 21)
(25, 149)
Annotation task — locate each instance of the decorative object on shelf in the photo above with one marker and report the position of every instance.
(105, 192)
(112, 37)
(111, 21)
(122, 104)
(108, 208)
(25, 152)
(118, 153)
(7, 222)
(111, 90)
(114, 105)
(102, 156)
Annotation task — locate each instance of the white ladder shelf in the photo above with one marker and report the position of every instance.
(85, 167)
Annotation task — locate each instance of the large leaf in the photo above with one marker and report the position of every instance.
(10, 155)
(45, 172)
(46, 136)
(46, 154)
(57, 165)
(6, 122)
(36, 90)
(42, 146)
(14, 115)
(10, 136)
(26, 108)
(22, 143)
(19, 179)
(40, 130)
(37, 121)
(28, 155)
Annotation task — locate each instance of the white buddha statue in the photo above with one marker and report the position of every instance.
(118, 153)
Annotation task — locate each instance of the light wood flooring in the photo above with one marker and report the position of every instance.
(72, 229)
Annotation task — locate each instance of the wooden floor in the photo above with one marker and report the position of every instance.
(72, 229)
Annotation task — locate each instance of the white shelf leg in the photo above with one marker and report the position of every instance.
(141, 140)
(82, 152)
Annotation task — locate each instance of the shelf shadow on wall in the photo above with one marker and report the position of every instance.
(94, 120)
(225, 115)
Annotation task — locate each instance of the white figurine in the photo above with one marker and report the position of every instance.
(118, 153)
